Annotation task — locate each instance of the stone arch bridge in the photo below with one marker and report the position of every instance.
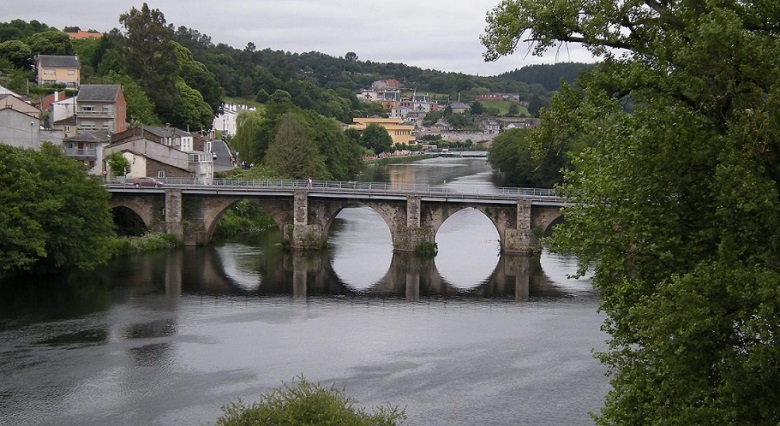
(413, 213)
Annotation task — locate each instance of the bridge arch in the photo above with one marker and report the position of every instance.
(211, 211)
(150, 209)
(545, 217)
(502, 217)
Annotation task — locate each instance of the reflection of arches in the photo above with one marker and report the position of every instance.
(361, 252)
(468, 248)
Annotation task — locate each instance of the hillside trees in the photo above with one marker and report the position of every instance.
(674, 201)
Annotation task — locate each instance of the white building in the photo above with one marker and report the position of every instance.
(226, 122)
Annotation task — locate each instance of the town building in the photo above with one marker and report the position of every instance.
(164, 152)
(57, 69)
(87, 148)
(227, 122)
(101, 107)
(399, 131)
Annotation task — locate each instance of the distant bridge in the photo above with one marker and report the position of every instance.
(304, 212)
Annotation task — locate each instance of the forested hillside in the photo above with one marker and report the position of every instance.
(177, 75)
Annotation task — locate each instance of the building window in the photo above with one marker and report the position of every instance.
(71, 72)
(49, 72)
(161, 173)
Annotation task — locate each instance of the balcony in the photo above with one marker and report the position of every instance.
(95, 114)
(80, 153)
(202, 158)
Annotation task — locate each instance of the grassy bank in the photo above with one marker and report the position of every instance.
(152, 241)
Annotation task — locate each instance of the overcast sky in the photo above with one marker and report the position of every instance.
(436, 34)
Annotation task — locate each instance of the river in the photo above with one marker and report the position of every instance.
(169, 338)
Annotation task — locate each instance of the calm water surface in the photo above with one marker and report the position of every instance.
(169, 338)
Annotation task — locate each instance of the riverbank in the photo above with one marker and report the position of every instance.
(398, 159)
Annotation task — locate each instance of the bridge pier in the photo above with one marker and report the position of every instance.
(303, 235)
(172, 213)
(519, 238)
(413, 235)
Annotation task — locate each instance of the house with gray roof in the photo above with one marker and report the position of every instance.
(101, 107)
(58, 69)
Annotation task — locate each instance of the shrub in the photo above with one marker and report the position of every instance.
(305, 403)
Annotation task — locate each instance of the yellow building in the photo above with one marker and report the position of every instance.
(399, 133)
(54, 69)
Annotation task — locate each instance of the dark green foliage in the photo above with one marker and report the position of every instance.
(18, 29)
(305, 403)
(549, 76)
(242, 218)
(51, 42)
(150, 57)
(517, 156)
(476, 108)
(675, 200)
(199, 78)
(17, 53)
(376, 138)
(294, 153)
(54, 216)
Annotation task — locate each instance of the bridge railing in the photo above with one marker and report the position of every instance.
(355, 187)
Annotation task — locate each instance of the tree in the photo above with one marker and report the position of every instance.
(200, 79)
(514, 110)
(118, 164)
(514, 154)
(17, 53)
(675, 201)
(305, 403)
(294, 153)
(248, 140)
(150, 57)
(191, 111)
(54, 216)
(376, 138)
(351, 57)
(51, 42)
(476, 108)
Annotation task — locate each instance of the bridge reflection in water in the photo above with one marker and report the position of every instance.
(254, 272)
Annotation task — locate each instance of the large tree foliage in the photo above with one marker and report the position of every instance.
(517, 157)
(51, 42)
(199, 78)
(54, 216)
(376, 138)
(294, 152)
(675, 199)
(150, 57)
